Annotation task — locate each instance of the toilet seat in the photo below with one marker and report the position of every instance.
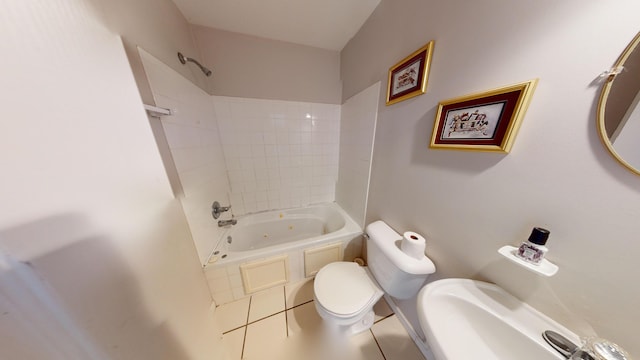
(345, 289)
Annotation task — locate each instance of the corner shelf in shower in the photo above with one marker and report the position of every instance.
(545, 268)
(156, 111)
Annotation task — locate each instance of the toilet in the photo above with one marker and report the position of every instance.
(345, 292)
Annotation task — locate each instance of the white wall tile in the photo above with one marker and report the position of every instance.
(195, 144)
(238, 293)
(222, 297)
(220, 283)
(354, 157)
(213, 273)
(235, 281)
(274, 139)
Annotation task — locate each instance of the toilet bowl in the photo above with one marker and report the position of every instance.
(344, 294)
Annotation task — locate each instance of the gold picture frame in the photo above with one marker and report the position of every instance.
(487, 121)
(409, 77)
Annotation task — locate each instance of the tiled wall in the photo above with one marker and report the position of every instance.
(260, 155)
(359, 114)
(193, 138)
(279, 154)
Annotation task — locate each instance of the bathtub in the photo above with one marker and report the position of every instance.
(288, 245)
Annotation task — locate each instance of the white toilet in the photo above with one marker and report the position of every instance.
(345, 292)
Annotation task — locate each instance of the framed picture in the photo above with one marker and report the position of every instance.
(487, 121)
(408, 78)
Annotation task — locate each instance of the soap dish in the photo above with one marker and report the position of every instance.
(545, 267)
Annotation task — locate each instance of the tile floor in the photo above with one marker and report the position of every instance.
(282, 323)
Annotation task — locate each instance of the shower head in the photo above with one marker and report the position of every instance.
(183, 60)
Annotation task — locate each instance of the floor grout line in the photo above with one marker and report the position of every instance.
(378, 344)
(238, 328)
(268, 316)
(304, 303)
(286, 317)
(246, 321)
(285, 296)
(384, 318)
(244, 339)
(281, 311)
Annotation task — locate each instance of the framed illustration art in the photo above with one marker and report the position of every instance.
(408, 78)
(487, 121)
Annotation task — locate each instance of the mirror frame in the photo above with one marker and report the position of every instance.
(604, 95)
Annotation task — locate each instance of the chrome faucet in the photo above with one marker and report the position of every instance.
(565, 347)
(216, 209)
(222, 223)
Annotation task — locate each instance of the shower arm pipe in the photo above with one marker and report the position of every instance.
(183, 60)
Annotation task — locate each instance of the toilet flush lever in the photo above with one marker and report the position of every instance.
(216, 209)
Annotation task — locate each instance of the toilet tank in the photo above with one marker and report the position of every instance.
(399, 274)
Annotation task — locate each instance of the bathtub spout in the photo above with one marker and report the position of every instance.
(222, 223)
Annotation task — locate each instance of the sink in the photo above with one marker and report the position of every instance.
(466, 319)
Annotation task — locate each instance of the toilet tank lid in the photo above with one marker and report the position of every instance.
(388, 240)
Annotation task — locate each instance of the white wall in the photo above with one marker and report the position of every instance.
(357, 130)
(194, 142)
(279, 154)
(558, 174)
(85, 200)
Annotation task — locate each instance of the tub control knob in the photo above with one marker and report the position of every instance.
(216, 209)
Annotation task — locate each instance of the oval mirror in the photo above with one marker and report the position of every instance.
(619, 108)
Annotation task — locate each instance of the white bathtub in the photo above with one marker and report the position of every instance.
(282, 234)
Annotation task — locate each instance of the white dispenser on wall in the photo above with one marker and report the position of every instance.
(530, 254)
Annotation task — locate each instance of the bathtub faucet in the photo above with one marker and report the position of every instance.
(216, 209)
(222, 223)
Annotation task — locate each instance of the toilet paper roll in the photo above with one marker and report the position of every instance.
(413, 244)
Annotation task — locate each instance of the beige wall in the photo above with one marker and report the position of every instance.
(86, 203)
(558, 174)
(160, 28)
(252, 67)
(156, 26)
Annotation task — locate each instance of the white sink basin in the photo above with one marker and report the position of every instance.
(465, 319)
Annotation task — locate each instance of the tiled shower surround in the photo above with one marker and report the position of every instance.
(279, 154)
